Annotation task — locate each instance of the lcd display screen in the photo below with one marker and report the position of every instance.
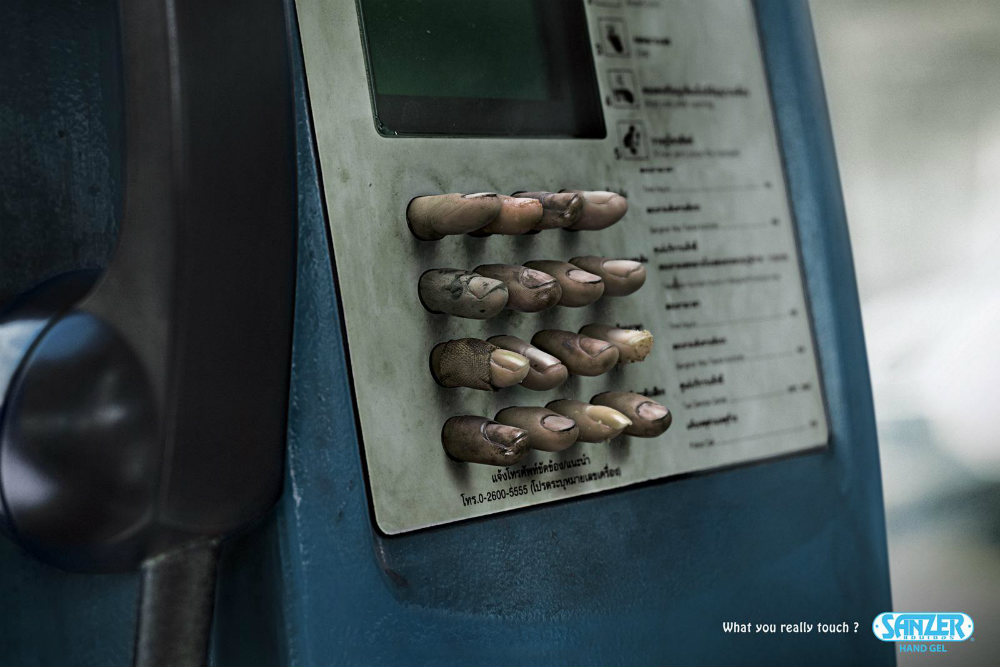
(510, 68)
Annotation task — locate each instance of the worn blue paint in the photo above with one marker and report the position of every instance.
(642, 576)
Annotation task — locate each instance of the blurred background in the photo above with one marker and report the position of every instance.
(914, 94)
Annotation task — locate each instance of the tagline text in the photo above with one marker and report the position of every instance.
(801, 627)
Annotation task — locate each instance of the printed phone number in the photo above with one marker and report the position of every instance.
(495, 495)
(536, 486)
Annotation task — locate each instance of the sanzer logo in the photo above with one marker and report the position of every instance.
(931, 626)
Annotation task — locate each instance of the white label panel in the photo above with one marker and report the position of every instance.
(692, 143)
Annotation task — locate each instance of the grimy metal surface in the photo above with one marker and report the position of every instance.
(694, 147)
(643, 575)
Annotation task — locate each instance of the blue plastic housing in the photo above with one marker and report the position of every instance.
(645, 575)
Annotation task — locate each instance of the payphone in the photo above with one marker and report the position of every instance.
(578, 373)
(589, 110)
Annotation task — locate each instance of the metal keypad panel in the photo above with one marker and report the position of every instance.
(691, 143)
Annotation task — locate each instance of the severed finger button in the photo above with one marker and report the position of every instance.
(518, 215)
(582, 355)
(649, 418)
(579, 287)
(621, 276)
(435, 216)
(559, 209)
(476, 364)
(547, 430)
(597, 423)
(461, 293)
(632, 344)
(479, 440)
(528, 290)
(600, 209)
(546, 372)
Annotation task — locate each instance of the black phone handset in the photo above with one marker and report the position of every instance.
(142, 411)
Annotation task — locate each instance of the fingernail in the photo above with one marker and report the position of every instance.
(600, 209)
(528, 290)
(580, 355)
(622, 268)
(621, 276)
(546, 430)
(633, 344)
(474, 439)
(502, 434)
(480, 286)
(541, 361)
(609, 417)
(461, 293)
(509, 368)
(582, 276)
(649, 418)
(652, 411)
(546, 372)
(559, 209)
(592, 346)
(558, 423)
(476, 364)
(579, 287)
(601, 196)
(533, 279)
(595, 423)
(508, 360)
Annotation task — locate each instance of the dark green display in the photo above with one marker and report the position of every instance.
(489, 68)
(432, 48)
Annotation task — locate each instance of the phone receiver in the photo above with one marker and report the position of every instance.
(143, 410)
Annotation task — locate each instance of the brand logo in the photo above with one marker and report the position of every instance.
(925, 626)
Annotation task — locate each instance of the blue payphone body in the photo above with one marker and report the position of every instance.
(641, 574)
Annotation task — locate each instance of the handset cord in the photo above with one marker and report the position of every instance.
(176, 602)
